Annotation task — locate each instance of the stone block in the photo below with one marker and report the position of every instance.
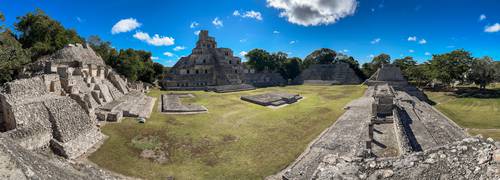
(115, 116)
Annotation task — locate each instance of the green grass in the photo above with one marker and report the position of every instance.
(480, 115)
(235, 140)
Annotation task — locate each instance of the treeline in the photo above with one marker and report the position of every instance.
(37, 35)
(448, 69)
(291, 67)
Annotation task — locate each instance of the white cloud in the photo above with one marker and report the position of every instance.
(427, 53)
(243, 40)
(314, 12)
(276, 32)
(371, 56)
(412, 38)
(376, 41)
(179, 48)
(345, 50)
(236, 13)
(422, 41)
(217, 22)
(194, 24)
(154, 58)
(197, 33)
(125, 25)
(292, 42)
(168, 54)
(482, 17)
(79, 19)
(411, 51)
(249, 14)
(493, 28)
(156, 40)
(243, 53)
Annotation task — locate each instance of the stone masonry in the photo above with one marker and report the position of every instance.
(328, 74)
(61, 99)
(208, 67)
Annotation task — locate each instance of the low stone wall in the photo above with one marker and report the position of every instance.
(171, 103)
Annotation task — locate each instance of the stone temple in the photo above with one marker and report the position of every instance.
(328, 74)
(211, 68)
(63, 98)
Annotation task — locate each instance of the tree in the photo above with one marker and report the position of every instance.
(159, 70)
(451, 66)
(103, 49)
(497, 71)
(407, 65)
(258, 59)
(320, 56)
(12, 57)
(2, 19)
(370, 68)
(482, 72)
(43, 35)
(292, 68)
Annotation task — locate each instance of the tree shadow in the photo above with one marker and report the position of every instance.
(472, 92)
(408, 131)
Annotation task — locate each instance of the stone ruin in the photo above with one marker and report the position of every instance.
(388, 73)
(273, 99)
(171, 103)
(217, 69)
(328, 74)
(391, 133)
(60, 105)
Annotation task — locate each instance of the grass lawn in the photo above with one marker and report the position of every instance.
(234, 140)
(480, 115)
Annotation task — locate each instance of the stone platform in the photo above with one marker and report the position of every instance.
(171, 103)
(133, 104)
(272, 99)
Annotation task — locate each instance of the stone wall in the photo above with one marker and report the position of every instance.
(338, 73)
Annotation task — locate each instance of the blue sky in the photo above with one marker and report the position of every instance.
(361, 28)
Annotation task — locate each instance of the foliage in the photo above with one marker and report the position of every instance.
(482, 72)
(370, 68)
(496, 66)
(292, 68)
(450, 67)
(353, 64)
(407, 66)
(133, 64)
(12, 57)
(261, 60)
(43, 35)
(320, 56)
(2, 19)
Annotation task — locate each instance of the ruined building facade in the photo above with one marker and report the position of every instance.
(62, 99)
(209, 65)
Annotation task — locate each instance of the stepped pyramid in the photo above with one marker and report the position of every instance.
(388, 73)
(337, 73)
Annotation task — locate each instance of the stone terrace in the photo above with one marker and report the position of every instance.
(171, 103)
(272, 99)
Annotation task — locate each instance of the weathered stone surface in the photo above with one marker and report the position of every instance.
(387, 74)
(338, 73)
(171, 103)
(17, 163)
(272, 99)
(436, 163)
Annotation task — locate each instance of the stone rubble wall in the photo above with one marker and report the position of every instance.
(470, 158)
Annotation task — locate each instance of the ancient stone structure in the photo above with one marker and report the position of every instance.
(171, 103)
(272, 99)
(209, 67)
(18, 163)
(388, 73)
(328, 74)
(60, 104)
(389, 121)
